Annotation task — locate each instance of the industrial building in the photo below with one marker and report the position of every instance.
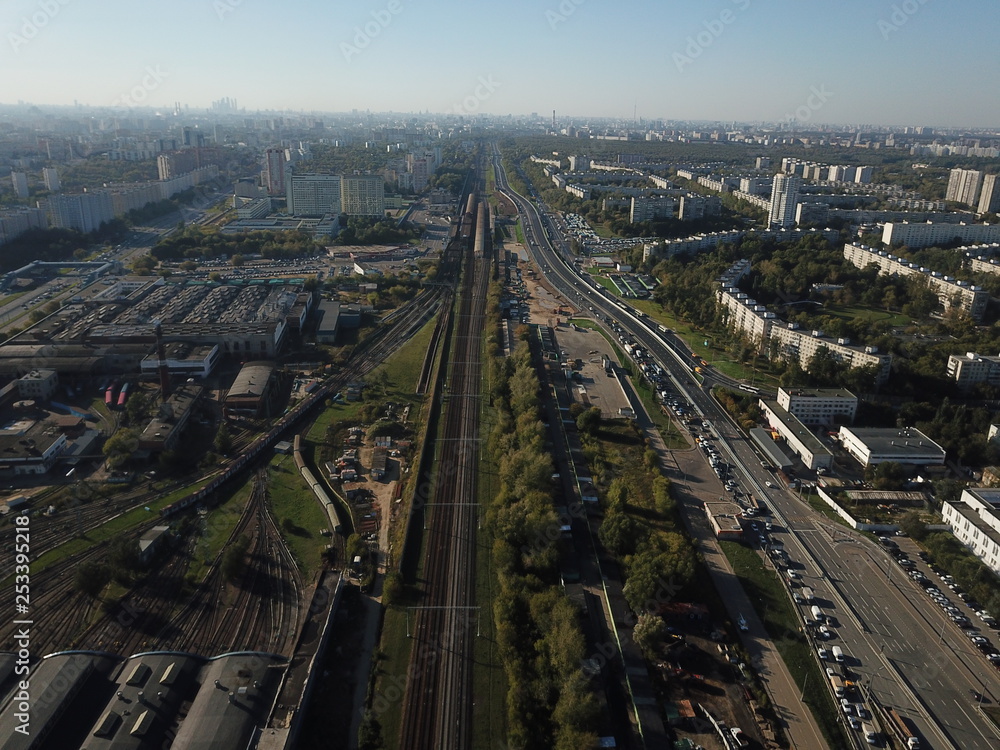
(800, 439)
(99, 701)
(164, 431)
(253, 390)
(902, 445)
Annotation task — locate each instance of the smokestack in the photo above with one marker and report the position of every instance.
(161, 361)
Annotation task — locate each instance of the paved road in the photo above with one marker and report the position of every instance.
(692, 484)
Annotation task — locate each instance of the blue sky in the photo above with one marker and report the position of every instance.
(904, 62)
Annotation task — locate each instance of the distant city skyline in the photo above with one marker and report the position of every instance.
(858, 62)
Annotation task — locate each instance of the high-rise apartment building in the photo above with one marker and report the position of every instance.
(274, 171)
(84, 212)
(362, 195)
(50, 176)
(784, 196)
(989, 196)
(20, 183)
(312, 194)
(964, 186)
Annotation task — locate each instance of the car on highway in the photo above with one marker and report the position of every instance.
(768, 484)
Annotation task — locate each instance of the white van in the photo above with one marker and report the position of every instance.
(817, 614)
(838, 653)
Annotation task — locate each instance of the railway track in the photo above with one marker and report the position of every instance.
(437, 710)
(63, 616)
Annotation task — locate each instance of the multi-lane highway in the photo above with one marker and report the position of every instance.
(899, 647)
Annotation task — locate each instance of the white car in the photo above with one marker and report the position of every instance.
(768, 484)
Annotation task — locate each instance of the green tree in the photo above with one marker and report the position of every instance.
(234, 559)
(118, 448)
(648, 632)
(91, 578)
(913, 526)
(589, 421)
(223, 440)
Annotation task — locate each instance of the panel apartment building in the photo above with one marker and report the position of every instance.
(951, 292)
(786, 340)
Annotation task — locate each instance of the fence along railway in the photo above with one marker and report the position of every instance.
(437, 709)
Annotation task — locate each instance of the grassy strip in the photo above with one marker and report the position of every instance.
(489, 683)
(669, 432)
(219, 522)
(781, 620)
(113, 528)
(714, 353)
(519, 232)
(298, 513)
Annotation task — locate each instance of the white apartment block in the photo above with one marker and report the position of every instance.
(951, 292)
(982, 257)
(975, 522)
(16, 221)
(84, 212)
(764, 330)
(784, 196)
(647, 209)
(760, 201)
(974, 368)
(756, 185)
(312, 194)
(819, 406)
(362, 195)
(929, 234)
(695, 207)
(793, 343)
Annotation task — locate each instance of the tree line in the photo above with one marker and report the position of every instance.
(550, 700)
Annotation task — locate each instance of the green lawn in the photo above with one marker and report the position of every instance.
(782, 622)
(519, 232)
(218, 524)
(869, 315)
(298, 513)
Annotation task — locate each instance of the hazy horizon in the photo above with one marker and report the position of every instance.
(861, 62)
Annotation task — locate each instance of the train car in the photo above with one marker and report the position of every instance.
(123, 396)
(109, 395)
